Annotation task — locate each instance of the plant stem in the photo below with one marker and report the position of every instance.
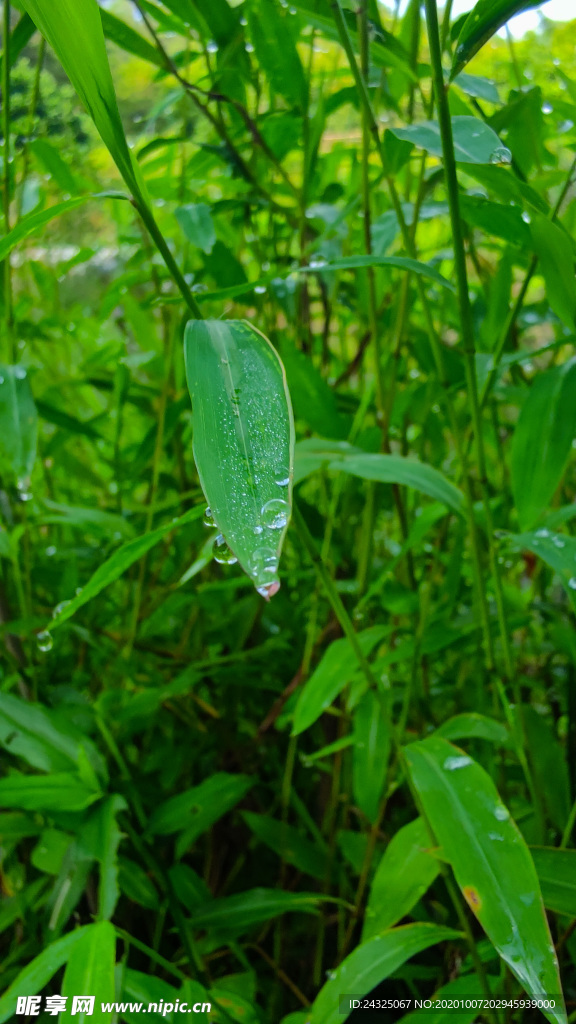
(8, 304)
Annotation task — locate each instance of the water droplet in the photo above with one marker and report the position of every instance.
(1, 380)
(243, 22)
(292, 10)
(212, 47)
(528, 898)
(50, 551)
(451, 764)
(496, 837)
(558, 542)
(208, 519)
(19, 372)
(526, 217)
(258, 529)
(331, 975)
(264, 562)
(260, 289)
(501, 155)
(546, 108)
(23, 493)
(501, 813)
(44, 641)
(275, 514)
(249, 48)
(222, 552)
(543, 533)
(60, 608)
(283, 482)
(572, 583)
(316, 262)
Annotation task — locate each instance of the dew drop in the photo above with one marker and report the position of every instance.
(19, 372)
(260, 289)
(243, 22)
(222, 553)
(501, 155)
(558, 542)
(1, 380)
(451, 764)
(267, 590)
(212, 47)
(496, 837)
(264, 562)
(275, 514)
(60, 608)
(249, 48)
(526, 217)
(44, 641)
(317, 262)
(546, 108)
(572, 583)
(23, 493)
(258, 529)
(501, 813)
(543, 533)
(51, 551)
(208, 519)
(283, 482)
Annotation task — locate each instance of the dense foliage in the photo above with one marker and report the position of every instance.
(367, 783)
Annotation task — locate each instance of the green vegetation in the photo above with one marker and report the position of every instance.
(327, 749)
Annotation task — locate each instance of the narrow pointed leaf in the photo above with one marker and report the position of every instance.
(474, 141)
(243, 441)
(18, 425)
(237, 914)
(405, 872)
(33, 222)
(557, 873)
(396, 469)
(543, 441)
(371, 963)
(90, 970)
(33, 978)
(555, 549)
(482, 23)
(401, 262)
(490, 860)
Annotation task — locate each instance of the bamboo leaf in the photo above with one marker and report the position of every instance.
(359, 262)
(33, 222)
(371, 963)
(18, 426)
(556, 871)
(490, 860)
(38, 973)
(90, 971)
(474, 141)
(243, 442)
(482, 23)
(405, 872)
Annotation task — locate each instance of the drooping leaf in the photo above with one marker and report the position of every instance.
(556, 871)
(32, 222)
(471, 725)
(474, 141)
(100, 840)
(116, 565)
(370, 964)
(330, 677)
(90, 971)
(243, 441)
(490, 860)
(395, 469)
(42, 737)
(289, 844)
(542, 441)
(405, 872)
(18, 426)
(234, 915)
(117, 31)
(483, 21)
(196, 222)
(59, 791)
(359, 262)
(372, 743)
(556, 256)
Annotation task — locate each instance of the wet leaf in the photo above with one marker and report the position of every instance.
(405, 872)
(474, 141)
(243, 442)
(90, 970)
(32, 979)
(482, 23)
(556, 871)
(490, 860)
(18, 426)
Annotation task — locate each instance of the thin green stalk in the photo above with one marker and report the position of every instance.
(567, 833)
(8, 302)
(333, 595)
(168, 258)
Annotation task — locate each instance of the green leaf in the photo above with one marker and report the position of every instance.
(490, 860)
(359, 262)
(474, 141)
(116, 565)
(370, 964)
(243, 441)
(479, 88)
(195, 220)
(74, 30)
(395, 469)
(18, 425)
(198, 808)
(28, 225)
(372, 741)
(471, 725)
(276, 50)
(556, 255)
(542, 441)
(405, 872)
(123, 35)
(90, 971)
(100, 840)
(42, 737)
(466, 989)
(289, 844)
(556, 871)
(135, 884)
(60, 791)
(58, 168)
(556, 549)
(329, 678)
(234, 915)
(33, 978)
(496, 219)
(482, 23)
